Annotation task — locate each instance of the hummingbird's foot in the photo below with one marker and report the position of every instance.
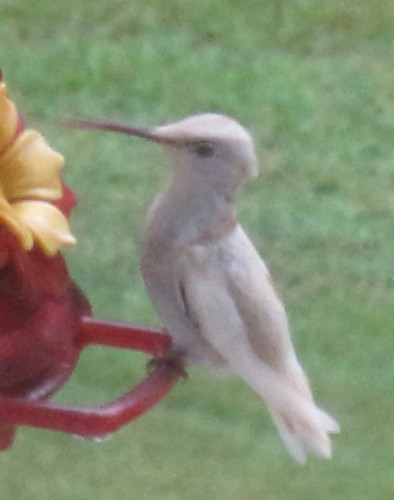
(173, 361)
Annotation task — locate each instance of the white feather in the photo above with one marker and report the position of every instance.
(206, 279)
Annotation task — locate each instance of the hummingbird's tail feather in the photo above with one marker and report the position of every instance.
(302, 425)
(305, 429)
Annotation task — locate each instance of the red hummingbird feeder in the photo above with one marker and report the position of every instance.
(45, 319)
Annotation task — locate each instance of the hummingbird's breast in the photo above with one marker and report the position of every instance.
(162, 249)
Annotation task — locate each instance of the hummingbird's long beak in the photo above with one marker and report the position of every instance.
(144, 132)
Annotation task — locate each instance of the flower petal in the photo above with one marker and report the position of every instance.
(15, 226)
(30, 168)
(49, 226)
(8, 118)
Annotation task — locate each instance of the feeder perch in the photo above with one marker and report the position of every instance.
(45, 319)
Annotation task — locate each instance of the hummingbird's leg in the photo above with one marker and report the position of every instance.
(173, 360)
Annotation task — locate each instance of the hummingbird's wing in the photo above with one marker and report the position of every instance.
(222, 298)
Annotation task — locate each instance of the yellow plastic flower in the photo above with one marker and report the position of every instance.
(29, 181)
(9, 118)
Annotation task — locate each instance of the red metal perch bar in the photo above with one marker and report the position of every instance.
(45, 319)
(106, 419)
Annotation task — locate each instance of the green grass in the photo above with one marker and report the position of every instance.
(313, 81)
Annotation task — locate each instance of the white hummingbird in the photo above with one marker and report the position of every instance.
(208, 283)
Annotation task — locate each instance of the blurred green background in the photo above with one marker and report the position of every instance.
(313, 81)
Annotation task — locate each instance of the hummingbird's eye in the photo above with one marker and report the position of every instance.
(203, 149)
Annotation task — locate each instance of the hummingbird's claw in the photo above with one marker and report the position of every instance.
(172, 360)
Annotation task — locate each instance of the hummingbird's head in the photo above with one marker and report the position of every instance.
(213, 145)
